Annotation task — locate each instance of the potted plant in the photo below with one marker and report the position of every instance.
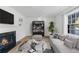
(51, 27)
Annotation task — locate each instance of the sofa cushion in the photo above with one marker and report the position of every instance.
(75, 43)
(68, 43)
(73, 39)
(62, 37)
(59, 47)
(77, 46)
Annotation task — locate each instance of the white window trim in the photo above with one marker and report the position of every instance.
(66, 20)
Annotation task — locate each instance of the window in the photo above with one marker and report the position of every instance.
(73, 23)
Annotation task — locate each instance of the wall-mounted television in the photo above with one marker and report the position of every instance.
(6, 17)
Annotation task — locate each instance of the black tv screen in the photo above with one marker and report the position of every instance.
(6, 17)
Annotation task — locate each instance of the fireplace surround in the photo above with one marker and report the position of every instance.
(7, 41)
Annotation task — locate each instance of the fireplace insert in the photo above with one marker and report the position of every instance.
(7, 41)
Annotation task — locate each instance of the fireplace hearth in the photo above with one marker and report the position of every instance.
(7, 41)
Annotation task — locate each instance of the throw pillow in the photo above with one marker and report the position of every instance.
(68, 43)
(62, 37)
(55, 36)
(73, 39)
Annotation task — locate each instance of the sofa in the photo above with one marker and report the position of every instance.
(61, 44)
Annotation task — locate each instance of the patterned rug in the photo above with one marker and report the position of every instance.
(49, 50)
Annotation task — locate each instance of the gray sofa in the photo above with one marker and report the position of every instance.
(59, 45)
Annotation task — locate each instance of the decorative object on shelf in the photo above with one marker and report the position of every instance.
(51, 27)
(38, 28)
(20, 21)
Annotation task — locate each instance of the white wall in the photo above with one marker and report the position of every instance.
(20, 30)
(59, 23)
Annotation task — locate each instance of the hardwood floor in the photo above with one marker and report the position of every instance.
(21, 42)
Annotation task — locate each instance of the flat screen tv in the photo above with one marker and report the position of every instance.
(6, 17)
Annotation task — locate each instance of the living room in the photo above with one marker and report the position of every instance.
(21, 27)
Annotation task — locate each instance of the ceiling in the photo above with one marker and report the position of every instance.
(35, 11)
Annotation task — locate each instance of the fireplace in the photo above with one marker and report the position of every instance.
(7, 41)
